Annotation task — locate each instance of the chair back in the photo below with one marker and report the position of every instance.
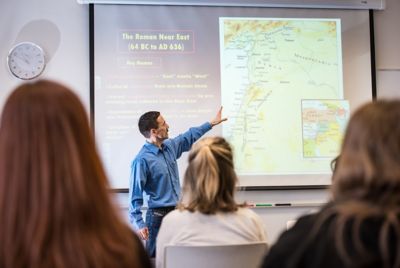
(221, 256)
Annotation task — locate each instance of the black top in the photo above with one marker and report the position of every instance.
(302, 246)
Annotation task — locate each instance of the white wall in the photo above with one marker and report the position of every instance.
(61, 28)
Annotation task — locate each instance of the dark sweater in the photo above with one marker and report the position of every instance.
(298, 247)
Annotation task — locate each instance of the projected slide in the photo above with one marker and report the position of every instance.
(268, 68)
(288, 80)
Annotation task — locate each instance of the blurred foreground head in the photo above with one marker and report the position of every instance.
(55, 209)
(369, 166)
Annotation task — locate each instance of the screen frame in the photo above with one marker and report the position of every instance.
(332, 4)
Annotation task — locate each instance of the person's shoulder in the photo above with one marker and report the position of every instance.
(312, 236)
(139, 158)
(176, 217)
(301, 226)
(176, 213)
(247, 212)
(248, 215)
(307, 218)
(325, 216)
(169, 217)
(168, 142)
(143, 153)
(300, 229)
(282, 250)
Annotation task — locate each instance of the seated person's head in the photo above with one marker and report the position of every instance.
(210, 179)
(55, 209)
(369, 166)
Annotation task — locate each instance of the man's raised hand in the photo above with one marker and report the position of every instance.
(218, 118)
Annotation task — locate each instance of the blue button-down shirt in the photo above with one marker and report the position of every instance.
(155, 171)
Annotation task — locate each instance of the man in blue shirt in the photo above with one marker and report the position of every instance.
(155, 171)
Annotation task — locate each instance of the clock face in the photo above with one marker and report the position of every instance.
(26, 60)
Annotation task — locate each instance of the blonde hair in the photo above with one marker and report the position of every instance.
(210, 179)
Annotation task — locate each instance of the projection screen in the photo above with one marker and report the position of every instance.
(288, 80)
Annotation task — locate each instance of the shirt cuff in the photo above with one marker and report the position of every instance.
(207, 126)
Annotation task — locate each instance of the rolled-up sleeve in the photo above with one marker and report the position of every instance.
(137, 181)
(184, 142)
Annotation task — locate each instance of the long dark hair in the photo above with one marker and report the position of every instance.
(366, 188)
(367, 178)
(55, 210)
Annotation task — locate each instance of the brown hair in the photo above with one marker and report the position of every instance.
(367, 178)
(366, 184)
(54, 206)
(210, 179)
(369, 166)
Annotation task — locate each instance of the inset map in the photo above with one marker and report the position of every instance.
(324, 123)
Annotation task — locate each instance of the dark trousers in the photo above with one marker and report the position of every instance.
(154, 217)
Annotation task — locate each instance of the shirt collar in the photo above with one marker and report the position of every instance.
(152, 148)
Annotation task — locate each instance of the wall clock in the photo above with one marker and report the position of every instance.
(26, 60)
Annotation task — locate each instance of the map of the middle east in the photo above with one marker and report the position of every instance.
(281, 85)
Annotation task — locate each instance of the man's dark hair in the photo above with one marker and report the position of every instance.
(147, 122)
